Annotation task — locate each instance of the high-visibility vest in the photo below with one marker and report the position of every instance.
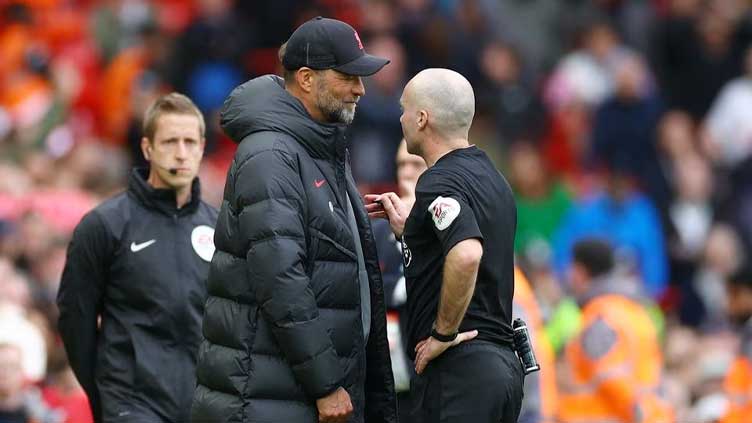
(614, 366)
(540, 387)
(738, 383)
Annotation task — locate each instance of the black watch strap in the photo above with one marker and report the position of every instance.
(443, 338)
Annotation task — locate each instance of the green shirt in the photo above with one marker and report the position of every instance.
(538, 218)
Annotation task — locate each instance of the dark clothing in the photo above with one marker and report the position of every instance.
(624, 140)
(390, 261)
(283, 320)
(517, 110)
(681, 60)
(14, 416)
(477, 381)
(462, 196)
(139, 263)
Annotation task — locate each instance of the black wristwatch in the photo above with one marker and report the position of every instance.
(443, 338)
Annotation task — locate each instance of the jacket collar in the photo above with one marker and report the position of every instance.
(159, 199)
(263, 104)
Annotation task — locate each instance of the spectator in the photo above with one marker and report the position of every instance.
(18, 402)
(675, 140)
(507, 96)
(62, 391)
(376, 125)
(687, 221)
(207, 55)
(587, 74)
(629, 220)
(566, 145)
(624, 126)
(694, 55)
(16, 329)
(510, 20)
(729, 121)
(722, 255)
(542, 201)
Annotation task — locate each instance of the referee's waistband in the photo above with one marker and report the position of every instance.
(483, 344)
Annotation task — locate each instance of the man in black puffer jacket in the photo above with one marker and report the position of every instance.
(295, 324)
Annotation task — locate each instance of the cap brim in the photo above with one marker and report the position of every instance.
(365, 65)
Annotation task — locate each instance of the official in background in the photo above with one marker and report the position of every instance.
(295, 323)
(459, 264)
(133, 290)
(614, 366)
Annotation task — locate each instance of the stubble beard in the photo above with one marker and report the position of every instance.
(334, 109)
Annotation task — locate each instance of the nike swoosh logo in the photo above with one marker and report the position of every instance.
(319, 183)
(138, 247)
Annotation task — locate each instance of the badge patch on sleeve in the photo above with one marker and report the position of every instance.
(443, 211)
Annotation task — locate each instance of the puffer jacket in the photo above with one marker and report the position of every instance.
(282, 324)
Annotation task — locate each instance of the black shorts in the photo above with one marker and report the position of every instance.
(476, 381)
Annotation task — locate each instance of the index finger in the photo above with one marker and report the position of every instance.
(372, 198)
(389, 206)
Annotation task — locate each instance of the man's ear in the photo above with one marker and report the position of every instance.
(146, 148)
(305, 79)
(422, 119)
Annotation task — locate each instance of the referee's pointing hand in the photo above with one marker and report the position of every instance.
(388, 206)
(430, 348)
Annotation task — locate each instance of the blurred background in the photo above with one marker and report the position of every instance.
(631, 119)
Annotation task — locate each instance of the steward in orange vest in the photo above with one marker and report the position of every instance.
(614, 365)
(738, 382)
(539, 402)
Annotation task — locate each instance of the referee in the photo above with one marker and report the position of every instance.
(457, 246)
(132, 293)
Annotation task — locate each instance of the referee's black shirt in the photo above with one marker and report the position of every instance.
(462, 196)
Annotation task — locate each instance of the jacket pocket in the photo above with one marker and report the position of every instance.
(322, 246)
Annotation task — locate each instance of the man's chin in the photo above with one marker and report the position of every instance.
(181, 180)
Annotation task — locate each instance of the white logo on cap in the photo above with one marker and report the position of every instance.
(357, 37)
(202, 239)
(443, 211)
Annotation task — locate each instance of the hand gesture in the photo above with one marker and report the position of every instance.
(388, 206)
(430, 348)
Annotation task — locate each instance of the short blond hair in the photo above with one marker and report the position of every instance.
(171, 103)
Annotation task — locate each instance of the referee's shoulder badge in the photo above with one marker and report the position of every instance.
(443, 211)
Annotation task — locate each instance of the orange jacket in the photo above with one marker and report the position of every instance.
(738, 383)
(539, 403)
(615, 363)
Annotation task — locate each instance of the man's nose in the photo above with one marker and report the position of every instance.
(181, 150)
(358, 88)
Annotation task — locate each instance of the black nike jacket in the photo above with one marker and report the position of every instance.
(140, 264)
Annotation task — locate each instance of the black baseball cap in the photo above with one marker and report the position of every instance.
(323, 43)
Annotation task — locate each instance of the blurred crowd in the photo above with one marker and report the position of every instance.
(626, 119)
